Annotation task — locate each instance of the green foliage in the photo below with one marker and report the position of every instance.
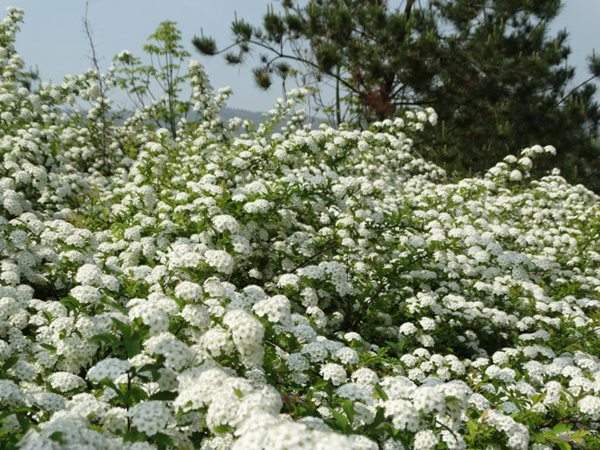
(329, 288)
(163, 74)
(205, 44)
(491, 70)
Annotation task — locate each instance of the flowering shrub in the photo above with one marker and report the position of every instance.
(244, 288)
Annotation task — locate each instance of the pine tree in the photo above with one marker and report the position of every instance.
(504, 83)
(490, 68)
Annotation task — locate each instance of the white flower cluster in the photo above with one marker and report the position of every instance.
(301, 288)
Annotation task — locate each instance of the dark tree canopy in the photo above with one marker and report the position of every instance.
(498, 79)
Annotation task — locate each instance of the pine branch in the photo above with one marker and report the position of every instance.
(576, 88)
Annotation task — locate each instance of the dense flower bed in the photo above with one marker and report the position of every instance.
(252, 289)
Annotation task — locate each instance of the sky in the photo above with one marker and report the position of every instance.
(52, 37)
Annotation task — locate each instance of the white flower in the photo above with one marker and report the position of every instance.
(150, 417)
(259, 206)
(365, 375)
(86, 294)
(590, 406)
(425, 440)
(178, 262)
(334, 373)
(65, 381)
(517, 434)
(297, 363)
(220, 260)
(217, 341)
(247, 334)
(407, 328)
(347, 356)
(196, 315)
(108, 369)
(224, 222)
(89, 274)
(427, 323)
(516, 175)
(277, 309)
(10, 394)
(525, 162)
(177, 354)
(404, 415)
(187, 290)
(288, 280)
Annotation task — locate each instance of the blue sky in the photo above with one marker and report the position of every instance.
(52, 37)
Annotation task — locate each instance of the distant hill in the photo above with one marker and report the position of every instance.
(257, 117)
(226, 114)
(229, 113)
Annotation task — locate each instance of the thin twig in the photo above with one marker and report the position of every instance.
(580, 85)
(101, 87)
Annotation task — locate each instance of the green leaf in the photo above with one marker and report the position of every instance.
(579, 436)
(133, 345)
(222, 429)
(341, 421)
(135, 436)
(105, 338)
(52, 348)
(472, 430)
(24, 421)
(70, 303)
(136, 394)
(123, 327)
(379, 417)
(58, 436)
(564, 445)
(562, 428)
(380, 393)
(164, 395)
(163, 441)
(348, 408)
(11, 361)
